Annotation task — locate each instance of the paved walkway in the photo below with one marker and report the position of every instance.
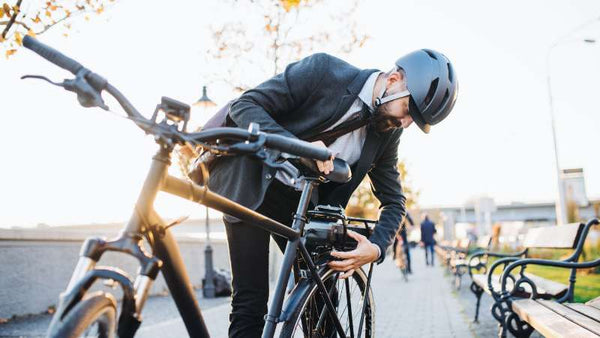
(425, 306)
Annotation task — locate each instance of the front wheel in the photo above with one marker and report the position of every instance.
(308, 319)
(93, 316)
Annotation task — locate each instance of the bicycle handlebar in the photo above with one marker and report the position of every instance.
(282, 143)
(52, 55)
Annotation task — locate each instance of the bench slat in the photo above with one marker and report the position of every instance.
(544, 286)
(573, 315)
(546, 321)
(560, 236)
(594, 302)
(587, 310)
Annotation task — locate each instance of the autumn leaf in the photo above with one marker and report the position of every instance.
(289, 4)
(68, 12)
(10, 52)
(100, 9)
(37, 19)
(2, 39)
(6, 9)
(16, 9)
(1, 12)
(19, 38)
(48, 14)
(53, 8)
(31, 33)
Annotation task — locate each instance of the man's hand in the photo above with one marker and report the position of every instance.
(365, 252)
(324, 166)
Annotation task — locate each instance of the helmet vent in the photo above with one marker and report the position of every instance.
(444, 101)
(450, 73)
(431, 92)
(430, 54)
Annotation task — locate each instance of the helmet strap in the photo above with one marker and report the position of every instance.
(381, 99)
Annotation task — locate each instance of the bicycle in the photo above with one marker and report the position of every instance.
(318, 305)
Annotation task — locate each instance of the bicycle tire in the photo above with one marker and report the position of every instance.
(359, 278)
(98, 307)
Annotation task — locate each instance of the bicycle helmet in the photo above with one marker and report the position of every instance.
(432, 84)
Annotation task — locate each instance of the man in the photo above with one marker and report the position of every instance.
(427, 232)
(310, 97)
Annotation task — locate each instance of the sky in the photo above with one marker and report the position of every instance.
(64, 164)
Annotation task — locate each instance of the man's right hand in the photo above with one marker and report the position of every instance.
(324, 166)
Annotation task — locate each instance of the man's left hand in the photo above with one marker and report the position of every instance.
(365, 252)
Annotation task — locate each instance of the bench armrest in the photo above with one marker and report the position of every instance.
(482, 255)
(504, 262)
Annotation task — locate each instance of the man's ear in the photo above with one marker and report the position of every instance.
(394, 77)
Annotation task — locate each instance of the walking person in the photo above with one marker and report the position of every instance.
(427, 232)
(317, 94)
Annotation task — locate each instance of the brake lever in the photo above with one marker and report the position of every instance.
(40, 77)
(270, 162)
(86, 94)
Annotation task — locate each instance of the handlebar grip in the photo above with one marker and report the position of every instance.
(297, 147)
(52, 55)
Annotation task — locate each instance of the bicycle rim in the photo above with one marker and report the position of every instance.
(347, 295)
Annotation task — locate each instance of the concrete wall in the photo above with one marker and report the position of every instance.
(35, 266)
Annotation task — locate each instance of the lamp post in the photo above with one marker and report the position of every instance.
(208, 287)
(561, 202)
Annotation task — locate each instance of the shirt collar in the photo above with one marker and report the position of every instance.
(366, 93)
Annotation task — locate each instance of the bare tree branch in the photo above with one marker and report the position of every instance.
(2, 23)
(12, 19)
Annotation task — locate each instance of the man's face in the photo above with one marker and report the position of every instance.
(393, 114)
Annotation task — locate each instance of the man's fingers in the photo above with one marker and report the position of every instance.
(343, 254)
(355, 235)
(347, 274)
(342, 265)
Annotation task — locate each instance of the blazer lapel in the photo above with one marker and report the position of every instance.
(344, 103)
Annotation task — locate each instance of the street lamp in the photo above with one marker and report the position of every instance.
(208, 287)
(561, 203)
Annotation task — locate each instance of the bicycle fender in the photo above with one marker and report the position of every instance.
(295, 298)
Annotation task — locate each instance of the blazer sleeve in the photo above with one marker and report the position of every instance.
(385, 183)
(279, 96)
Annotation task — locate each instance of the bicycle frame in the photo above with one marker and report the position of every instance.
(146, 222)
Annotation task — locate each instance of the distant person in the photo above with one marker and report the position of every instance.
(427, 232)
(402, 233)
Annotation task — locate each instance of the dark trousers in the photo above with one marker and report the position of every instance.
(249, 255)
(429, 252)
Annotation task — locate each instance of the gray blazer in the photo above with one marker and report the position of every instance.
(307, 98)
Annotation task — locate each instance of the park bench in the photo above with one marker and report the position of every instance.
(482, 277)
(459, 265)
(458, 249)
(558, 317)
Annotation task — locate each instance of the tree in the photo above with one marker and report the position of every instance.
(363, 202)
(275, 33)
(17, 20)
